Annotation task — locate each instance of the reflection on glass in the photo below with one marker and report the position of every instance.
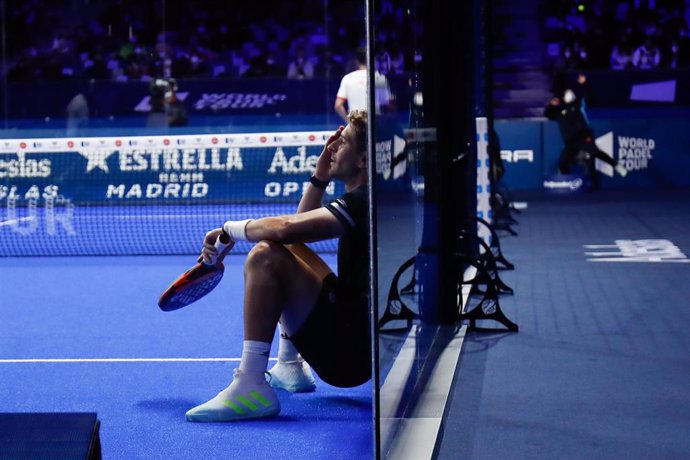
(401, 144)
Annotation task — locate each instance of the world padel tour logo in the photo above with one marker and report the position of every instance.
(634, 153)
(655, 251)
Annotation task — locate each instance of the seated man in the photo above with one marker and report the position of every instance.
(323, 317)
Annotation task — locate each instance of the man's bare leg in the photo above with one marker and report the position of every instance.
(278, 285)
(291, 372)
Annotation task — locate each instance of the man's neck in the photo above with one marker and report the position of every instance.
(356, 182)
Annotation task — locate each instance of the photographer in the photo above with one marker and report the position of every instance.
(166, 108)
(576, 131)
(175, 109)
(157, 89)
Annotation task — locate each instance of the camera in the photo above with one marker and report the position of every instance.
(158, 87)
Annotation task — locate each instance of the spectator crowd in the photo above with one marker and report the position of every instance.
(126, 40)
(617, 34)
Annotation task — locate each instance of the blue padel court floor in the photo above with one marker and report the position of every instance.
(600, 368)
(84, 334)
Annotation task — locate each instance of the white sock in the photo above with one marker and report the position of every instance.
(254, 357)
(286, 349)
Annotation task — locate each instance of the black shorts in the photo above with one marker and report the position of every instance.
(335, 338)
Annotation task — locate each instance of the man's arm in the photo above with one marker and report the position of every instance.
(313, 196)
(339, 107)
(315, 225)
(552, 108)
(313, 222)
(581, 88)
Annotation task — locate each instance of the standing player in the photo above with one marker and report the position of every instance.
(575, 129)
(323, 317)
(352, 93)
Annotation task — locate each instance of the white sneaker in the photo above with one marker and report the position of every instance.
(293, 376)
(620, 169)
(246, 398)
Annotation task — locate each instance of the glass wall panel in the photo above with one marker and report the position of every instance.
(158, 120)
(401, 144)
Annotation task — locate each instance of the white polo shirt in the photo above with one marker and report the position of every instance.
(353, 89)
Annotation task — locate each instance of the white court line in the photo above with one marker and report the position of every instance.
(163, 216)
(128, 217)
(15, 221)
(120, 360)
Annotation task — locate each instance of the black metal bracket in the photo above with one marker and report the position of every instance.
(496, 246)
(396, 309)
(489, 307)
(488, 261)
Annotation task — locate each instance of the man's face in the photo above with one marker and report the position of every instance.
(346, 161)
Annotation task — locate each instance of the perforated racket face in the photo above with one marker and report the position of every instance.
(190, 287)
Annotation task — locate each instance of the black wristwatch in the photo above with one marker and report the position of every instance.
(318, 183)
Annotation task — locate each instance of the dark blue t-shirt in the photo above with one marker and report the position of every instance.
(353, 247)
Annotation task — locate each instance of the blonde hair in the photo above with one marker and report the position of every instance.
(358, 121)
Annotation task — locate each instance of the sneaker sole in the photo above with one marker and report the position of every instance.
(210, 418)
(305, 389)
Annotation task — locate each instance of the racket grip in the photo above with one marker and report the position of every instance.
(222, 242)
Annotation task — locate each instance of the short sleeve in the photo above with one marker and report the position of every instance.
(342, 90)
(351, 209)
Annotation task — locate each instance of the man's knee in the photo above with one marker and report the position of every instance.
(266, 255)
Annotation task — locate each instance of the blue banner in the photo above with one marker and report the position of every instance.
(199, 169)
(521, 153)
(653, 152)
(240, 96)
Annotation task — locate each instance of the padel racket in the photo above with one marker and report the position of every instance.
(196, 282)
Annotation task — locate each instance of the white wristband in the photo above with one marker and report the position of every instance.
(237, 229)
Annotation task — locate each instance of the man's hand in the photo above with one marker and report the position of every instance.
(323, 164)
(209, 248)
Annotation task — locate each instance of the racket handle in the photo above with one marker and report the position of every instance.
(222, 242)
